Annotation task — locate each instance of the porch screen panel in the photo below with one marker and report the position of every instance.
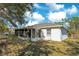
(33, 33)
(39, 33)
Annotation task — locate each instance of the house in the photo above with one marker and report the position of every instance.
(47, 31)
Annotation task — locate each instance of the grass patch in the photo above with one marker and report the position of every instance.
(68, 47)
(18, 47)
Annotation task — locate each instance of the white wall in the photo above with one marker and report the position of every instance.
(44, 33)
(56, 34)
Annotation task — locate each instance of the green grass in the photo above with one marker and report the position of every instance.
(15, 47)
(69, 47)
(12, 45)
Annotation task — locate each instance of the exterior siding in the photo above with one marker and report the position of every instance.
(44, 34)
(56, 34)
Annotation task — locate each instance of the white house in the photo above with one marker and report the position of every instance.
(46, 31)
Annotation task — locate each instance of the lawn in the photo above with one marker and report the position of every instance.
(53, 48)
(13, 46)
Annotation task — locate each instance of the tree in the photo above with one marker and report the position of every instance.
(14, 12)
(74, 25)
(3, 27)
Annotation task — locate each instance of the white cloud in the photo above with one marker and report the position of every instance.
(56, 16)
(54, 6)
(17, 23)
(32, 23)
(36, 5)
(37, 16)
(66, 25)
(71, 10)
(28, 16)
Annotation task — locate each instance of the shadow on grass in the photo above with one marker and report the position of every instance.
(42, 48)
(35, 50)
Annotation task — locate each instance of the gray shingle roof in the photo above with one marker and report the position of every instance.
(45, 25)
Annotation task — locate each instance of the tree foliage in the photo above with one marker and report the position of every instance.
(74, 25)
(3, 27)
(14, 12)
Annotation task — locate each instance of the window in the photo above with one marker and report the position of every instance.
(39, 33)
(33, 33)
(48, 32)
(29, 33)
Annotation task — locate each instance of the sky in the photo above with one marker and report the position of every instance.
(51, 12)
(48, 13)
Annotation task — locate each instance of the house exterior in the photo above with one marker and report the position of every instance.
(47, 31)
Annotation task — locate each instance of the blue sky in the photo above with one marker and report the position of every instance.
(53, 12)
(50, 12)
